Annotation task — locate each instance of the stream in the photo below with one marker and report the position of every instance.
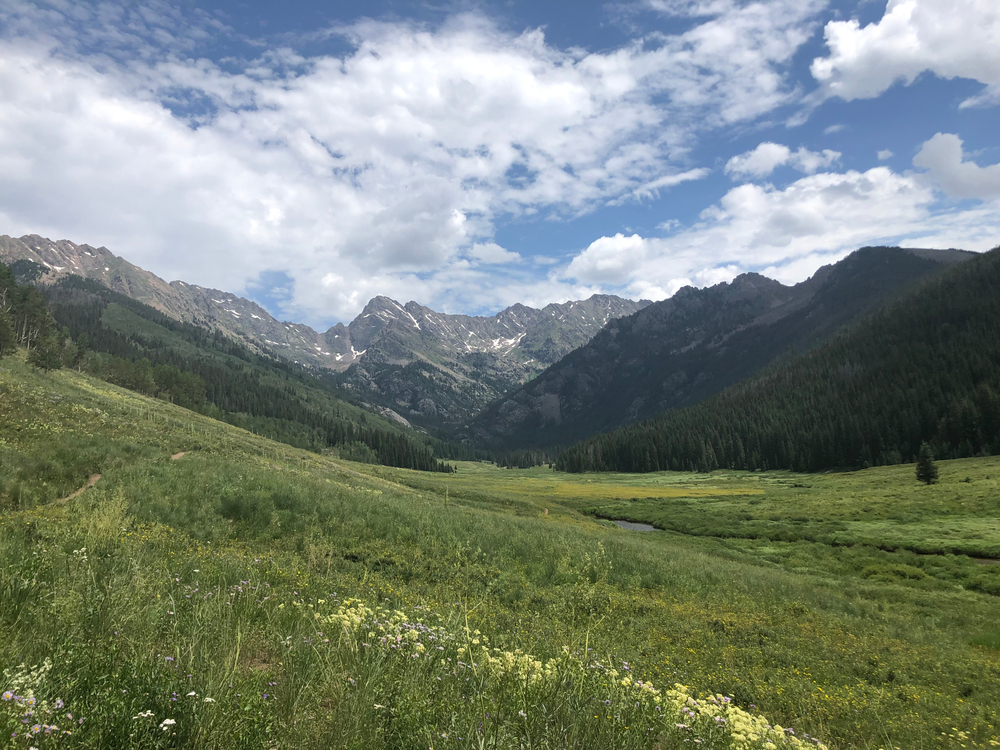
(636, 526)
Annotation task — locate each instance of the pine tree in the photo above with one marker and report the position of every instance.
(927, 472)
(45, 355)
(8, 341)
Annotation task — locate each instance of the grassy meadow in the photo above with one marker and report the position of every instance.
(251, 595)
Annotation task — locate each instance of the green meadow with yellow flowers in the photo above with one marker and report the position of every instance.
(213, 589)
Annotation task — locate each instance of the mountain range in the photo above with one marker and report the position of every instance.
(413, 364)
(679, 351)
(527, 378)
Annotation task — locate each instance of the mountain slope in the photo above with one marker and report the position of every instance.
(679, 351)
(132, 345)
(925, 368)
(238, 318)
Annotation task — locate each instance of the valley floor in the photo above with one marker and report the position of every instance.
(247, 594)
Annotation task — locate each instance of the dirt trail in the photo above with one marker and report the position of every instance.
(90, 483)
(94, 479)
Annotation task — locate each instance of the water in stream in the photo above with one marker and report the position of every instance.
(636, 526)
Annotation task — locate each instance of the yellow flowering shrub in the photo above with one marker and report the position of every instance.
(506, 684)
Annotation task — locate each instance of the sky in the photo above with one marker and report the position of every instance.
(471, 155)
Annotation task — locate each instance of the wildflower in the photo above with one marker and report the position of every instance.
(192, 694)
(166, 724)
(209, 700)
(142, 715)
(8, 695)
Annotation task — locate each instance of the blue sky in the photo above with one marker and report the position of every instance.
(471, 155)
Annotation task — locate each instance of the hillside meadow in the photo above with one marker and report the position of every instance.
(251, 595)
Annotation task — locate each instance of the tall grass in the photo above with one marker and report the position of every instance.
(251, 575)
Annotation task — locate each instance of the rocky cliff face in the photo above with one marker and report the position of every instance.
(682, 350)
(438, 370)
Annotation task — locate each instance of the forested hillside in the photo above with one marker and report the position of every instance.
(925, 368)
(135, 346)
(680, 351)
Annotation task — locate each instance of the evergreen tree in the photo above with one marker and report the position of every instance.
(82, 345)
(927, 471)
(46, 354)
(8, 341)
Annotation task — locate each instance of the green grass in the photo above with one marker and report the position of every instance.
(206, 575)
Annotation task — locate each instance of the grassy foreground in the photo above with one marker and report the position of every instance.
(252, 595)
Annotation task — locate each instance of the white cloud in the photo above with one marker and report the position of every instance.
(610, 261)
(787, 233)
(884, 154)
(690, 8)
(491, 253)
(759, 162)
(767, 157)
(807, 161)
(942, 156)
(950, 38)
(713, 276)
(389, 163)
(652, 188)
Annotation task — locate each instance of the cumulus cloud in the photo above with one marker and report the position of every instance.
(884, 154)
(390, 162)
(767, 157)
(950, 38)
(491, 253)
(942, 157)
(759, 162)
(788, 232)
(610, 261)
